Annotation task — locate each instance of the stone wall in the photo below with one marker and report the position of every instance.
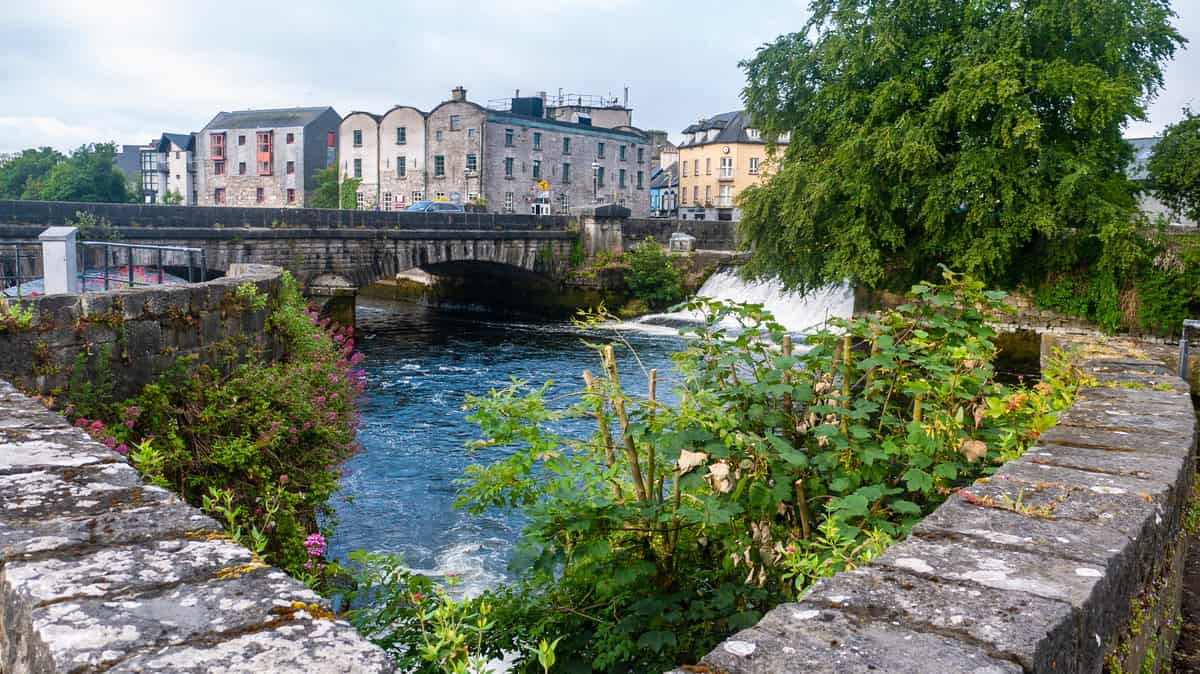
(1067, 560)
(710, 234)
(99, 572)
(142, 331)
(1027, 315)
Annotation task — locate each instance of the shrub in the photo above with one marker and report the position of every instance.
(652, 275)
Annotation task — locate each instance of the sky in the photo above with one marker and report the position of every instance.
(79, 71)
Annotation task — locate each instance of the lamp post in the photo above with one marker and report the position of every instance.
(595, 182)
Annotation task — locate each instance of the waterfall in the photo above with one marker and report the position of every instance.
(795, 312)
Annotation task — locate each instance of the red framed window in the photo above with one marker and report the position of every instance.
(291, 196)
(291, 167)
(265, 151)
(216, 146)
(218, 168)
(291, 138)
(219, 195)
(259, 196)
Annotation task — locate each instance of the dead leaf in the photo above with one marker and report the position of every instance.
(973, 450)
(689, 460)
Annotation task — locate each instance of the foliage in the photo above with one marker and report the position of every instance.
(257, 443)
(980, 135)
(349, 194)
(326, 193)
(1174, 169)
(14, 315)
(677, 524)
(21, 176)
(172, 198)
(652, 275)
(87, 175)
(92, 227)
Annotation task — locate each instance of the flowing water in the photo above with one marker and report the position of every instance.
(422, 361)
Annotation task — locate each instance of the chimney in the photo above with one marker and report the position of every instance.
(458, 94)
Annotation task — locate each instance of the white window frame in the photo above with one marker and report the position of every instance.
(386, 201)
(754, 166)
(726, 167)
(508, 202)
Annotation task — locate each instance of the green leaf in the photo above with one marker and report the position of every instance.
(918, 480)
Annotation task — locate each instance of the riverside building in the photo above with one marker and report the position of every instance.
(718, 158)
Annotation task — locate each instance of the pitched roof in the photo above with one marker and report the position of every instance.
(1142, 149)
(731, 126)
(265, 119)
(667, 176)
(184, 141)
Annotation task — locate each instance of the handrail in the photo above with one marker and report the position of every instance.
(17, 278)
(129, 281)
(1188, 324)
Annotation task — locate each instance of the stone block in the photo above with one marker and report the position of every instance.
(75, 491)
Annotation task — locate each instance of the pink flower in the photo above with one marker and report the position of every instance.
(129, 423)
(133, 411)
(283, 479)
(121, 449)
(315, 544)
(320, 400)
(81, 422)
(110, 442)
(96, 426)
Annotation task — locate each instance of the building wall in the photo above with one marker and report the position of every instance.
(584, 150)
(606, 118)
(404, 190)
(367, 153)
(453, 145)
(317, 153)
(700, 194)
(179, 175)
(240, 147)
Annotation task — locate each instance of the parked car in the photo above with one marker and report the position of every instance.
(436, 207)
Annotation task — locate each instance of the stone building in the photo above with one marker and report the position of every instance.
(264, 157)
(718, 158)
(516, 159)
(169, 168)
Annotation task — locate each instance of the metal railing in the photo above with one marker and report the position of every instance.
(1188, 326)
(110, 252)
(21, 274)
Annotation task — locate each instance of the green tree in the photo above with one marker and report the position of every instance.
(26, 171)
(348, 198)
(1175, 166)
(326, 193)
(87, 175)
(652, 275)
(978, 134)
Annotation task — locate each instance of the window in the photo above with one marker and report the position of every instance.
(177, 155)
(329, 139)
(472, 197)
(216, 146)
(508, 167)
(291, 167)
(600, 150)
(508, 201)
(387, 201)
(219, 195)
(291, 196)
(695, 167)
(639, 180)
(599, 176)
(455, 122)
(682, 196)
(562, 203)
(708, 194)
(259, 196)
(418, 195)
(641, 155)
(358, 138)
(472, 163)
(537, 140)
(754, 166)
(566, 173)
(566, 146)
(685, 169)
(291, 138)
(438, 136)
(695, 194)
(241, 140)
(726, 167)
(537, 169)
(359, 200)
(621, 152)
(439, 166)
(357, 168)
(401, 167)
(471, 133)
(508, 138)
(401, 135)
(708, 165)
(621, 178)
(725, 196)
(265, 149)
(219, 168)
(241, 168)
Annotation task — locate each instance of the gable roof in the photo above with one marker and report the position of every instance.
(667, 176)
(266, 119)
(184, 141)
(731, 126)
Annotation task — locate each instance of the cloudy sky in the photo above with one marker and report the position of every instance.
(76, 71)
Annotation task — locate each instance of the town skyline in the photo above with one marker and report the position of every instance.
(124, 72)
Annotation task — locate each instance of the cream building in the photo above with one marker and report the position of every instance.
(718, 158)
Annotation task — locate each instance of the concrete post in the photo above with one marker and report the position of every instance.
(59, 261)
(602, 228)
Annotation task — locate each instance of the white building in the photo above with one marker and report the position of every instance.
(169, 168)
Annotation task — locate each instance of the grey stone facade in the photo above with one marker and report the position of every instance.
(299, 148)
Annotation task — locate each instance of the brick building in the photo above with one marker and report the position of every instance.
(264, 157)
(525, 157)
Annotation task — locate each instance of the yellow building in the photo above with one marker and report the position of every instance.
(718, 158)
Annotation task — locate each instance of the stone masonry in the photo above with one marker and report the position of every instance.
(1067, 560)
(100, 572)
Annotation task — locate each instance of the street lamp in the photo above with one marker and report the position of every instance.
(595, 182)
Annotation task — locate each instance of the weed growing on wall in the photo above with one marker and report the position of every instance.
(257, 443)
(652, 275)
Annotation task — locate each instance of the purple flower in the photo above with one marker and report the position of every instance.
(315, 544)
(121, 449)
(129, 423)
(81, 422)
(110, 442)
(133, 411)
(320, 400)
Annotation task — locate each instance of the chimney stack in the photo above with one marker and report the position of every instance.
(458, 94)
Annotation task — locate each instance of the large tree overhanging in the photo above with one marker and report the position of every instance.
(963, 132)
(1175, 166)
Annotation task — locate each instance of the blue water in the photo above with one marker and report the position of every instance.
(420, 363)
